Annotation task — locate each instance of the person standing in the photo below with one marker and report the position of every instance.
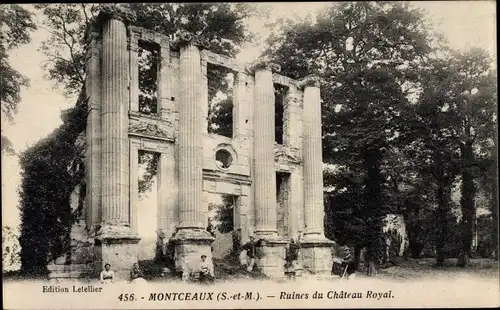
(291, 259)
(249, 247)
(348, 264)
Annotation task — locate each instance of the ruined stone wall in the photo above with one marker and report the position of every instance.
(162, 133)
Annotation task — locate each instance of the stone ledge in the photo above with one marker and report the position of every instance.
(317, 241)
(192, 236)
(109, 234)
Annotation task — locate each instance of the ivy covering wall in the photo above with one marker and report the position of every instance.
(51, 169)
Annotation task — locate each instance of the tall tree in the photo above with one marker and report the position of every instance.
(16, 23)
(471, 105)
(366, 52)
(453, 126)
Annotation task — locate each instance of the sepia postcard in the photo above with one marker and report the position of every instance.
(249, 155)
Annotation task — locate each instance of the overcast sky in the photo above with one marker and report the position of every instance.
(464, 24)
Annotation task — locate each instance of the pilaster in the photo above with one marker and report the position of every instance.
(164, 95)
(293, 116)
(134, 71)
(241, 123)
(204, 95)
(134, 184)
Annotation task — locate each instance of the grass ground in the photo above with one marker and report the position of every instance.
(424, 268)
(406, 270)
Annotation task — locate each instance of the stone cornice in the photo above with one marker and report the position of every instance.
(309, 81)
(262, 64)
(117, 12)
(186, 37)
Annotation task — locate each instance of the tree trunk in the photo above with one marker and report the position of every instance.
(443, 197)
(374, 208)
(468, 192)
(494, 207)
(357, 256)
(494, 211)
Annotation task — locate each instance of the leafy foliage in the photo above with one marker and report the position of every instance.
(400, 121)
(224, 218)
(10, 249)
(457, 119)
(16, 23)
(148, 77)
(150, 163)
(220, 100)
(51, 169)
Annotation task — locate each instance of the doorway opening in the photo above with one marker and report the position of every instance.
(147, 209)
(283, 203)
(221, 224)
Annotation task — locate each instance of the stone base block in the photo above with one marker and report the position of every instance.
(317, 256)
(190, 244)
(118, 250)
(271, 257)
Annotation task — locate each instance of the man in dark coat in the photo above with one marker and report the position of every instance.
(249, 247)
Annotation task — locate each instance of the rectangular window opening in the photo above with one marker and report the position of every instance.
(220, 100)
(148, 61)
(279, 111)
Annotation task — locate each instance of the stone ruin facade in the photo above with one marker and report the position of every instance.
(187, 168)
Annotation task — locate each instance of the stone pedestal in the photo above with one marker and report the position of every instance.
(316, 256)
(190, 244)
(119, 251)
(271, 257)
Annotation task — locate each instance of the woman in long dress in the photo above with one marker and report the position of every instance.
(107, 275)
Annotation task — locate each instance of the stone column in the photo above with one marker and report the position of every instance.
(116, 241)
(272, 250)
(93, 162)
(316, 249)
(264, 177)
(192, 240)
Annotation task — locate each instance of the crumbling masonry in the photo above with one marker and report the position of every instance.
(117, 130)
